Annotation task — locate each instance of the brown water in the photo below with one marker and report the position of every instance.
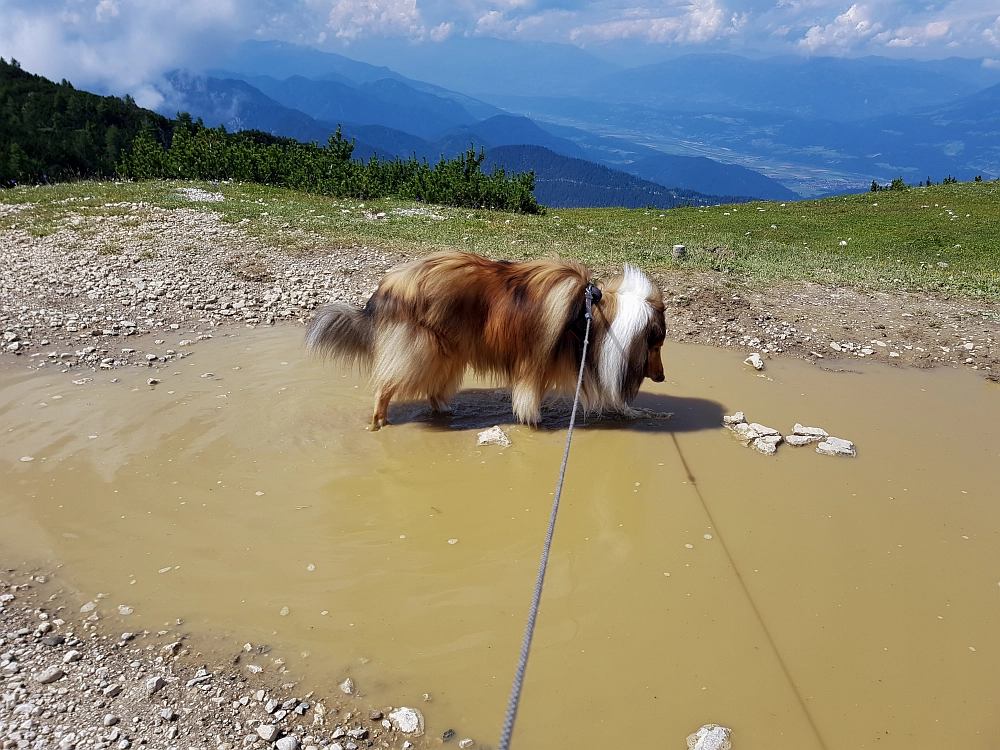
(839, 603)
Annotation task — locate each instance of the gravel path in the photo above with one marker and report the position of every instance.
(66, 683)
(75, 298)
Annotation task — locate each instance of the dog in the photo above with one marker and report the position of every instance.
(519, 324)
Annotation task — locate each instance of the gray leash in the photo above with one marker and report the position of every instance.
(593, 294)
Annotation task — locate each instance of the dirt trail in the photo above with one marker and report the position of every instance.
(74, 298)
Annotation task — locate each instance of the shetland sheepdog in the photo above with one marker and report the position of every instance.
(519, 324)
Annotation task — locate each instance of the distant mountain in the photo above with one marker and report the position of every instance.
(707, 176)
(387, 102)
(238, 106)
(481, 65)
(563, 182)
(283, 60)
(832, 88)
(510, 130)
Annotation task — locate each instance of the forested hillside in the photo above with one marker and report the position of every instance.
(53, 132)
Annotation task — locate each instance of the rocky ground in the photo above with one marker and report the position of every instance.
(76, 297)
(66, 683)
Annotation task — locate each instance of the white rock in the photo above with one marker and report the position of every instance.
(287, 743)
(737, 418)
(744, 431)
(710, 737)
(407, 720)
(493, 436)
(347, 686)
(267, 732)
(802, 439)
(765, 445)
(834, 446)
(761, 430)
(49, 674)
(810, 431)
(755, 361)
(835, 346)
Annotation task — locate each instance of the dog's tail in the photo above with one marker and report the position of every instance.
(343, 332)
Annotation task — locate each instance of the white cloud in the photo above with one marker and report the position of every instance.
(351, 19)
(441, 32)
(918, 36)
(693, 23)
(107, 9)
(848, 30)
(992, 33)
(114, 46)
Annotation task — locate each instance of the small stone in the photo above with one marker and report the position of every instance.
(357, 734)
(153, 381)
(762, 445)
(112, 690)
(347, 686)
(123, 744)
(493, 436)
(467, 742)
(267, 732)
(737, 418)
(338, 733)
(710, 737)
(155, 684)
(271, 706)
(44, 627)
(287, 743)
(168, 714)
(761, 430)
(50, 674)
(802, 439)
(26, 459)
(301, 709)
(110, 720)
(834, 446)
(755, 361)
(744, 431)
(407, 720)
(172, 733)
(375, 715)
(71, 656)
(809, 431)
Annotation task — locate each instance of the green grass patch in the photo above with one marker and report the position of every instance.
(943, 239)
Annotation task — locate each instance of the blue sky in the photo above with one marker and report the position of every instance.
(121, 45)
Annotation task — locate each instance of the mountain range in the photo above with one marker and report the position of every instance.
(776, 128)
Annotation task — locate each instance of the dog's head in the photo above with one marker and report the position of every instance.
(633, 330)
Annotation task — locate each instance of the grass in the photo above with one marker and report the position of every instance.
(943, 239)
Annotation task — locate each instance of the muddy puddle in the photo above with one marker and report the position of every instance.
(806, 601)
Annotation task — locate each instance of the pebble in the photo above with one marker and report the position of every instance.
(834, 446)
(267, 732)
(347, 686)
(287, 743)
(50, 674)
(766, 445)
(493, 436)
(755, 361)
(710, 737)
(809, 431)
(110, 720)
(407, 720)
(27, 458)
(467, 742)
(168, 714)
(154, 684)
(375, 715)
(71, 656)
(801, 439)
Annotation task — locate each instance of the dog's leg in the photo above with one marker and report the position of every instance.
(526, 399)
(440, 403)
(380, 418)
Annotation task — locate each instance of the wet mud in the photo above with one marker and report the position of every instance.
(806, 601)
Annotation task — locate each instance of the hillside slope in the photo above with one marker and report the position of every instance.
(564, 182)
(51, 131)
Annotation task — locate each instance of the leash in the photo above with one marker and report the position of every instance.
(592, 294)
